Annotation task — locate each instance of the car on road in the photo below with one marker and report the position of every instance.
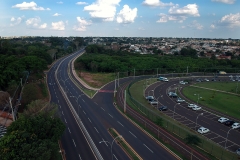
(149, 98)
(207, 80)
(222, 120)
(229, 123)
(238, 151)
(180, 99)
(162, 108)
(191, 105)
(153, 102)
(199, 80)
(202, 130)
(172, 94)
(183, 82)
(235, 125)
(214, 79)
(196, 108)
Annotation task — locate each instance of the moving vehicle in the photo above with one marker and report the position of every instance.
(202, 130)
(222, 119)
(196, 108)
(180, 99)
(149, 97)
(238, 151)
(162, 108)
(191, 105)
(229, 123)
(172, 94)
(162, 79)
(153, 102)
(222, 72)
(235, 125)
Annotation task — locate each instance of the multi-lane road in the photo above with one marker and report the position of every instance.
(206, 118)
(85, 117)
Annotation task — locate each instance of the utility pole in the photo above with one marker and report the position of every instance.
(10, 101)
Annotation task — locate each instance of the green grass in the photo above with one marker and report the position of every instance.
(223, 86)
(208, 148)
(221, 102)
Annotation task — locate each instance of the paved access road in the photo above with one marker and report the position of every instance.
(97, 115)
(188, 117)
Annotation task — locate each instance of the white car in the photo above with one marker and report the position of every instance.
(149, 97)
(153, 102)
(196, 108)
(202, 130)
(182, 82)
(236, 125)
(222, 119)
(191, 105)
(206, 80)
(180, 99)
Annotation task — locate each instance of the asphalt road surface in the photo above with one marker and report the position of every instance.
(97, 115)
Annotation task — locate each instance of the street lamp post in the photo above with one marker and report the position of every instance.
(198, 97)
(77, 101)
(111, 143)
(197, 119)
(174, 109)
(64, 83)
(227, 136)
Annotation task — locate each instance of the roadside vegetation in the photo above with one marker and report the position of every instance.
(222, 102)
(34, 135)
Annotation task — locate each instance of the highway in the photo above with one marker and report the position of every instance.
(188, 117)
(97, 115)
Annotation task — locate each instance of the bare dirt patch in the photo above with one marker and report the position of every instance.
(96, 79)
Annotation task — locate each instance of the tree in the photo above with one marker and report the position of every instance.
(192, 139)
(34, 135)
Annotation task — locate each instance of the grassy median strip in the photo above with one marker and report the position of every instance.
(124, 145)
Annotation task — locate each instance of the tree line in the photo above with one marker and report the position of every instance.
(98, 59)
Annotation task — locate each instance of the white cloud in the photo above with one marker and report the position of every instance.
(165, 18)
(15, 21)
(81, 3)
(103, 9)
(188, 10)
(82, 23)
(60, 26)
(225, 1)
(212, 26)
(195, 25)
(179, 14)
(56, 14)
(230, 20)
(29, 6)
(60, 2)
(156, 3)
(43, 26)
(35, 23)
(127, 15)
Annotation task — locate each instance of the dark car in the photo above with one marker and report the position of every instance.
(229, 123)
(162, 108)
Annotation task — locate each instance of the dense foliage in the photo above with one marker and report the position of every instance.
(32, 55)
(97, 59)
(33, 136)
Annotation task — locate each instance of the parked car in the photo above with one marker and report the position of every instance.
(222, 120)
(153, 102)
(162, 108)
(149, 97)
(207, 80)
(235, 125)
(196, 108)
(191, 105)
(229, 123)
(238, 151)
(202, 130)
(180, 99)
(214, 79)
(172, 94)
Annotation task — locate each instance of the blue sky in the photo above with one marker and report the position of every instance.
(129, 18)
